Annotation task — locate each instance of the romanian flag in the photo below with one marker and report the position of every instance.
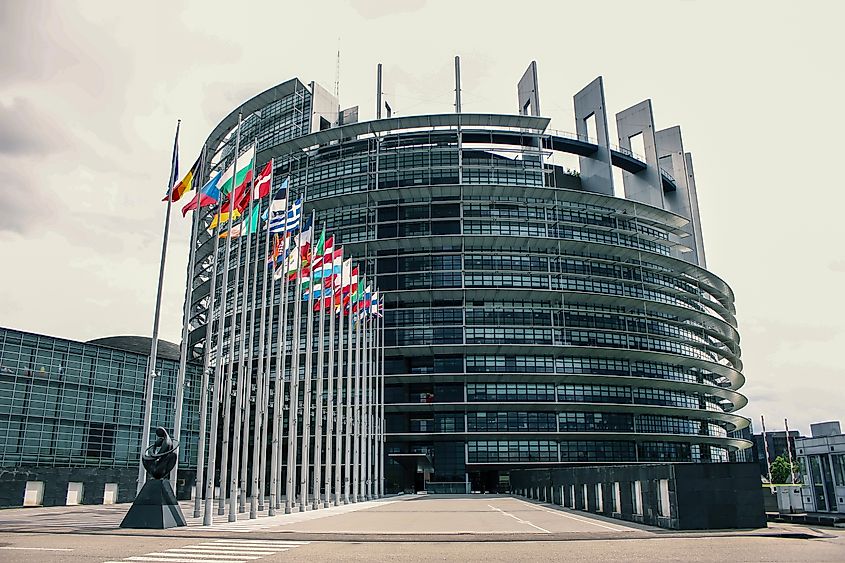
(186, 184)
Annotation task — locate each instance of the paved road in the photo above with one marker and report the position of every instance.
(416, 528)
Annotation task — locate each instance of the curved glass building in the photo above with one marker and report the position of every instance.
(547, 298)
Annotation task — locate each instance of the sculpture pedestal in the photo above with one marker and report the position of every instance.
(155, 507)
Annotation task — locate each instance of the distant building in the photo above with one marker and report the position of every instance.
(71, 416)
(777, 446)
(822, 461)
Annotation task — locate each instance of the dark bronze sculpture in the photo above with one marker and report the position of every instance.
(156, 505)
(160, 458)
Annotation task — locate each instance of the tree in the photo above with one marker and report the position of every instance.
(781, 470)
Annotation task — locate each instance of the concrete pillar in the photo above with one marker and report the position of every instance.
(596, 169)
(644, 186)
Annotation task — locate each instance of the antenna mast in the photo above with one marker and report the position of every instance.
(337, 72)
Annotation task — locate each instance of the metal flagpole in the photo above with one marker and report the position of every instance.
(262, 390)
(151, 363)
(381, 399)
(328, 289)
(282, 346)
(186, 318)
(356, 438)
(227, 382)
(318, 398)
(277, 395)
(766, 448)
(237, 374)
(245, 356)
(219, 376)
(347, 438)
(365, 389)
(294, 377)
(339, 421)
(281, 363)
(789, 452)
(370, 418)
(259, 382)
(208, 370)
(306, 397)
(368, 399)
(281, 351)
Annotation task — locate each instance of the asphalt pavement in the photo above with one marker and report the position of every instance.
(408, 528)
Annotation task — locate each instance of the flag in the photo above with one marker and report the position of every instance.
(185, 184)
(350, 292)
(262, 183)
(240, 197)
(230, 178)
(208, 195)
(174, 165)
(245, 227)
(279, 203)
(275, 252)
(322, 269)
(289, 222)
(375, 309)
(302, 245)
(235, 204)
(306, 275)
(343, 283)
(368, 301)
(332, 259)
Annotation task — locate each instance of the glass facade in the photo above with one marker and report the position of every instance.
(74, 404)
(575, 326)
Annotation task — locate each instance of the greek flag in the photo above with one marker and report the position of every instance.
(287, 223)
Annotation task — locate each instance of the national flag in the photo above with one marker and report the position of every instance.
(350, 297)
(262, 182)
(322, 269)
(279, 203)
(235, 204)
(331, 282)
(305, 276)
(174, 165)
(208, 195)
(232, 179)
(276, 251)
(185, 184)
(368, 301)
(302, 245)
(289, 222)
(375, 309)
(245, 227)
(342, 283)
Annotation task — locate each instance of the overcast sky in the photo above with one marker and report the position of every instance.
(90, 93)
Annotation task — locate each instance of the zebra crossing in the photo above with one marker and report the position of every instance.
(217, 551)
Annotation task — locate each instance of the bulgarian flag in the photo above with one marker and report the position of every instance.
(230, 178)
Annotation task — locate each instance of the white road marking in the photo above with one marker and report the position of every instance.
(520, 520)
(578, 518)
(218, 551)
(207, 556)
(281, 543)
(239, 548)
(171, 560)
(40, 548)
